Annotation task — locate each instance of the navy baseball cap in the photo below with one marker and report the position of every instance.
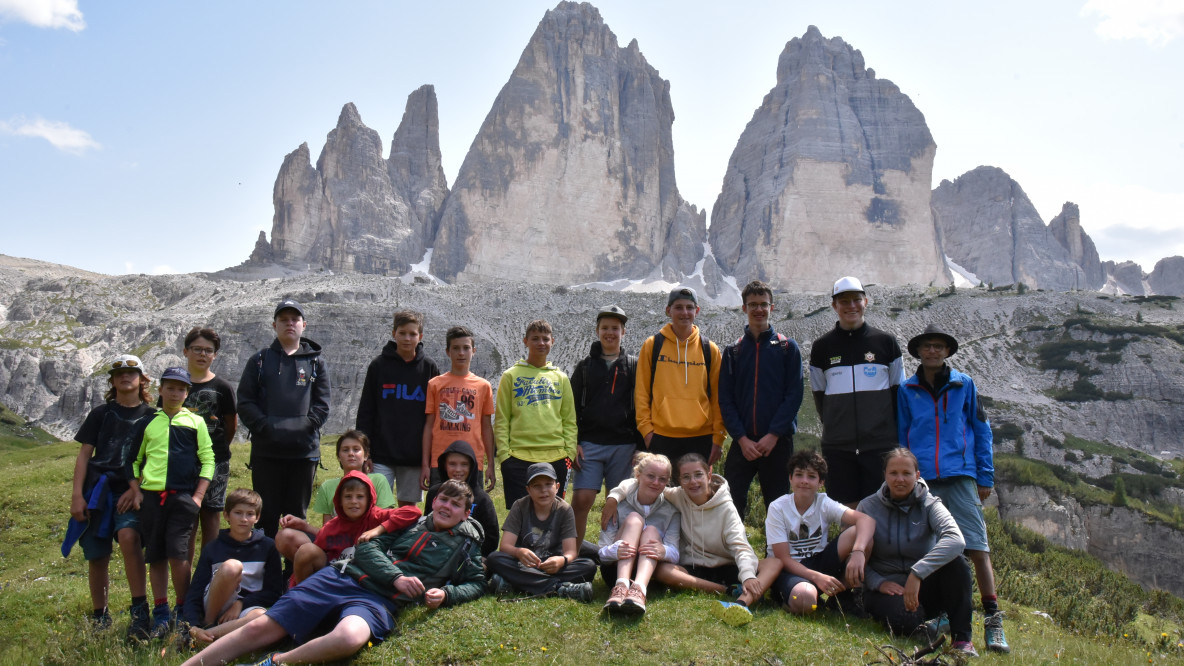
(177, 374)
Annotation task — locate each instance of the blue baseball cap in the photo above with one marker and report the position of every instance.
(178, 374)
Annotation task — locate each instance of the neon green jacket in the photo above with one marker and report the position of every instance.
(174, 453)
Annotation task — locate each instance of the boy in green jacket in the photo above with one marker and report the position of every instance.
(535, 417)
(437, 563)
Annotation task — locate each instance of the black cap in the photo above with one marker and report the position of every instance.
(681, 292)
(613, 310)
(288, 304)
(932, 331)
(540, 469)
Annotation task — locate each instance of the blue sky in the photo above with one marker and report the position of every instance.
(146, 136)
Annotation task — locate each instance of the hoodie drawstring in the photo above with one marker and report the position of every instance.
(683, 355)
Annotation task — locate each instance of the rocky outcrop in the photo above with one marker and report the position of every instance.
(990, 227)
(830, 177)
(1066, 228)
(571, 176)
(1126, 277)
(1168, 276)
(355, 211)
(1127, 541)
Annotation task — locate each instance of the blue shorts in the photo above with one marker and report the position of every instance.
(960, 496)
(610, 463)
(325, 598)
(95, 547)
(825, 561)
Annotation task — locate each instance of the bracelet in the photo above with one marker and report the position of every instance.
(565, 561)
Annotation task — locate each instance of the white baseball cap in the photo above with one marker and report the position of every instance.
(845, 284)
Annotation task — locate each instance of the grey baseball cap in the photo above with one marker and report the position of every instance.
(540, 469)
(681, 292)
(613, 310)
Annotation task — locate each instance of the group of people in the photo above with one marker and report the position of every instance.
(648, 428)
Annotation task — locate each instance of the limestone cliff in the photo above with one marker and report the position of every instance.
(1066, 228)
(1167, 277)
(1126, 277)
(990, 227)
(356, 211)
(571, 176)
(830, 177)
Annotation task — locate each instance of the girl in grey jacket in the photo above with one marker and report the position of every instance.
(916, 572)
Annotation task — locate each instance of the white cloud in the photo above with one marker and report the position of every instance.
(44, 13)
(1133, 222)
(1156, 22)
(128, 267)
(60, 134)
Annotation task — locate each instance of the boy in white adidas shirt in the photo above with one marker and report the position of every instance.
(796, 529)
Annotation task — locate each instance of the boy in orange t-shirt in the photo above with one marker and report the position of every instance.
(459, 406)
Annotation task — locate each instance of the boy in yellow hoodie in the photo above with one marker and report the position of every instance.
(678, 384)
(535, 417)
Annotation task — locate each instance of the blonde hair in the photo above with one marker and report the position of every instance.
(645, 458)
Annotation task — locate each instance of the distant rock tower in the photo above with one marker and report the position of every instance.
(831, 177)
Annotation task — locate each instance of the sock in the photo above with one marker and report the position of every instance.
(622, 581)
(160, 601)
(180, 602)
(100, 612)
(740, 603)
(990, 604)
(639, 586)
(143, 599)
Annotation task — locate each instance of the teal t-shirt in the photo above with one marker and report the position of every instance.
(323, 502)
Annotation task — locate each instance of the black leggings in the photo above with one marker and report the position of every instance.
(946, 590)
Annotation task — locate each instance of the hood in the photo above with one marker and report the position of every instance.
(391, 350)
(337, 493)
(464, 448)
(224, 536)
(917, 498)
(668, 333)
(307, 348)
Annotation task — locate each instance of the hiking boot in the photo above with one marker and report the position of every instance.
(732, 613)
(162, 621)
(100, 622)
(616, 597)
(499, 587)
(634, 603)
(964, 648)
(932, 629)
(140, 628)
(993, 630)
(581, 592)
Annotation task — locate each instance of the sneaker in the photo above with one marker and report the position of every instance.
(932, 629)
(634, 603)
(498, 586)
(616, 597)
(578, 591)
(140, 628)
(734, 614)
(734, 591)
(161, 621)
(100, 622)
(964, 648)
(993, 630)
(269, 660)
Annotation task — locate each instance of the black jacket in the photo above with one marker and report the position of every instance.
(604, 399)
(483, 509)
(854, 376)
(391, 411)
(263, 576)
(284, 400)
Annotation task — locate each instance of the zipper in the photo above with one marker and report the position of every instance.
(756, 374)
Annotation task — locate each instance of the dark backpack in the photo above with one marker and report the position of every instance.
(658, 340)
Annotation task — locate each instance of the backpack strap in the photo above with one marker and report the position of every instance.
(658, 340)
(706, 360)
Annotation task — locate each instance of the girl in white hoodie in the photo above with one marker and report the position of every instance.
(715, 555)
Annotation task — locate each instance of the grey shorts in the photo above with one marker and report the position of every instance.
(215, 499)
(404, 481)
(606, 463)
(960, 496)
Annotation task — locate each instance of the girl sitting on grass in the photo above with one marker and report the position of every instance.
(641, 533)
(715, 554)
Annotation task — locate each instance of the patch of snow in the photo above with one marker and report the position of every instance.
(962, 276)
(421, 270)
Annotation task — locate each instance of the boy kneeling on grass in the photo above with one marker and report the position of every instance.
(437, 563)
(238, 574)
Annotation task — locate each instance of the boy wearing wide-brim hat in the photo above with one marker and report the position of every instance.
(941, 420)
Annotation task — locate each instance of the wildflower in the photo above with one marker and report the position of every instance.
(544, 648)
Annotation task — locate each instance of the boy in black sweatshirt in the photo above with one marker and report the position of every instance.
(391, 411)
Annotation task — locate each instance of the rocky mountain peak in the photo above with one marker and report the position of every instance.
(415, 165)
(833, 158)
(1168, 276)
(1066, 228)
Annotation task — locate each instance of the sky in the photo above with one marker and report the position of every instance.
(145, 137)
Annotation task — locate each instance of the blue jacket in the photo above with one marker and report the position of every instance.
(760, 386)
(949, 433)
(263, 576)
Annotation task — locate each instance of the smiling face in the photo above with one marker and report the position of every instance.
(288, 326)
(850, 306)
(241, 518)
(351, 454)
(407, 338)
(651, 481)
(610, 330)
(538, 346)
(682, 315)
(355, 499)
(695, 480)
(805, 483)
(934, 353)
(758, 307)
(457, 466)
(448, 511)
(460, 353)
(901, 475)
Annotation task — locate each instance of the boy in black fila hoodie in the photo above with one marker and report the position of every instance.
(391, 410)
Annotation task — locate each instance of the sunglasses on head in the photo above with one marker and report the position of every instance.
(124, 364)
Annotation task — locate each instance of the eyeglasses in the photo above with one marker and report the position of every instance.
(125, 364)
(203, 351)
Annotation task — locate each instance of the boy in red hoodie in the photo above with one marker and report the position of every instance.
(357, 514)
